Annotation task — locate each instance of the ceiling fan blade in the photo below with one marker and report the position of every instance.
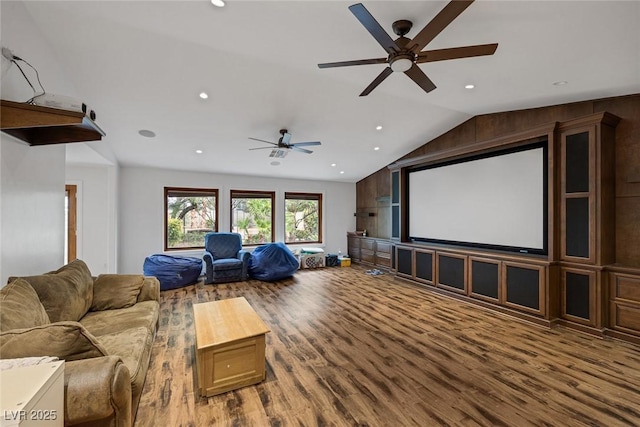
(383, 75)
(437, 24)
(293, 147)
(261, 148)
(356, 62)
(421, 79)
(286, 137)
(374, 28)
(306, 144)
(262, 140)
(456, 53)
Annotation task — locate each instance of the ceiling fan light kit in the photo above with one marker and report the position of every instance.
(404, 54)
(401, 63)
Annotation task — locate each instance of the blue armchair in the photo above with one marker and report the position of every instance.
(224, 258)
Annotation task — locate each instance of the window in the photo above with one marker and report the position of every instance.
(190, 213)
(303, 217)
(252, 216)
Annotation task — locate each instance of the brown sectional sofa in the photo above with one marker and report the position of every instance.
(103, 327)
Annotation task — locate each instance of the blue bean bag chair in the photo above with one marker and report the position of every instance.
(173, 271)
(271, 262)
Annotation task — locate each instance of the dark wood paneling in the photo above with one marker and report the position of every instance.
(627, 317)
(628, 169)
(624, 290)
(628, 231)
(383, 183)
(626, 287)
(493, 125)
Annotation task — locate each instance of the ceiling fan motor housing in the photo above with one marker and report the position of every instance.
(401, 27)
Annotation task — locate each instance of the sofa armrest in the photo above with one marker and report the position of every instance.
(208, 258)
(97, 389)
(244, 257)
(150, 290)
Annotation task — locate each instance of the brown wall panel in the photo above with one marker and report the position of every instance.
(628, 231)
(492, 125)
(371, 197)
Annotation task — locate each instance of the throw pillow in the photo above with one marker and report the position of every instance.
(67, 293)
(113, 291)
(65, 340)
(20, 307)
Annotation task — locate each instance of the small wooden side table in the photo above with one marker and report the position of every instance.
(230, 345)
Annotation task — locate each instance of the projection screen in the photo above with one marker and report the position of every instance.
(496, 202)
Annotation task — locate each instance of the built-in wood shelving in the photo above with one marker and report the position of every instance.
(38, 125)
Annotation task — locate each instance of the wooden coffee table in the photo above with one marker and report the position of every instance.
(230, 345)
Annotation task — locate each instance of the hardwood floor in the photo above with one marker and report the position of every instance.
(348, 349)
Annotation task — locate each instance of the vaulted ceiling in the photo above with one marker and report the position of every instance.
(142, 65)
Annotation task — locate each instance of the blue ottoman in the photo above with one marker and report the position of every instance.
(173, 271)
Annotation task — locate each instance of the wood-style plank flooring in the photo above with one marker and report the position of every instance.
(349, 349)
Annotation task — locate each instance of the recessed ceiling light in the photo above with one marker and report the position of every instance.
(218, 3)
(378, 127)
(199, 151)
(341, 172)
(204, 95)
(469, 86)
(560, 83)
(376, 148)
(147, 133)
(333, 165)
(274, 163)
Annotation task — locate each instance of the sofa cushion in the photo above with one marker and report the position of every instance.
(67, 293)
(134, 347)
(113, 291)
(227, 264)
(65, 340)
(143, 314)
(20, 307)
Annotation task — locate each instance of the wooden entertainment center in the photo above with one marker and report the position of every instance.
(577, 283)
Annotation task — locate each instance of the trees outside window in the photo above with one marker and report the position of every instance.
(303, 217)
(252, 216)
(190, 213)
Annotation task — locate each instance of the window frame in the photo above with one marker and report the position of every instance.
(254, 194)
(197, 192)
(295, 195)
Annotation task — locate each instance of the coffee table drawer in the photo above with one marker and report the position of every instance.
(232, 365)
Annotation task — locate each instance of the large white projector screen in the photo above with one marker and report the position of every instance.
(496, 201)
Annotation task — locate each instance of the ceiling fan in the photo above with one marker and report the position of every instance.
(405, 53)
(283, 145)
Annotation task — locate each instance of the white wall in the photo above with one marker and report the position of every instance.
(31, 209)
(97, 215)
(141, 222)
(20, 34)
(31, 178)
